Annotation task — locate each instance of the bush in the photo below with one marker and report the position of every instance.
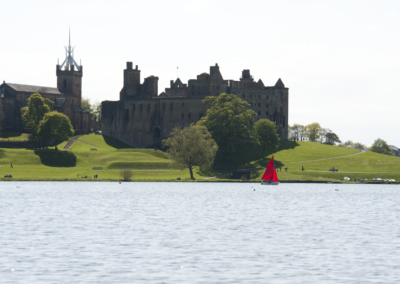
(126, 174)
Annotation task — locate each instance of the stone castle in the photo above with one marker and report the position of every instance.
(67, 97)
(142, 117)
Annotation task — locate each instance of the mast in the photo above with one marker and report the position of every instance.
(69, 56)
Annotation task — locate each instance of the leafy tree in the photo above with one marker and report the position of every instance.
(331, 138)
(126, 174)
(229, 121)
(380, 146)
(191, 146)
(296, 131)
(85, 105)
(55, 126)
(94, 109)
(34, 113)
(265, 135)
(359, 146)
(313, 131)
(348, 143)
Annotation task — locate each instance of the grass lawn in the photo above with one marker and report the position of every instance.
(154, 165)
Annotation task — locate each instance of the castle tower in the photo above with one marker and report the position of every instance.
(69, 76)
(132, 86)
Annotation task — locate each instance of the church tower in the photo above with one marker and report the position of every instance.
(69, 76)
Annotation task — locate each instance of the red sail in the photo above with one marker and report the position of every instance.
(270, 172)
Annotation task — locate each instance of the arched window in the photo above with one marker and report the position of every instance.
(259, 112)
(183, 104)
(189, 115)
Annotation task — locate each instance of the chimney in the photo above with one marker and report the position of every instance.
(129, 65)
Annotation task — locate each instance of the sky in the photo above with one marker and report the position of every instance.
(339, 59)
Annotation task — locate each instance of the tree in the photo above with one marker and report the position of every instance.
(126, 174)
(265, 135)
(313, 131)
(296, 131)
(35, 112)
(331, 138)
(380, 146)
(192, 146)
(359, 146)
(348, 143)
(55, 126)
(229, 121)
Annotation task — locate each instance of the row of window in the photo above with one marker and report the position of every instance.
(126, 115)
(255, 96)
(163, 107)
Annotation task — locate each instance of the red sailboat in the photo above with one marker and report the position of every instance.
(269, 177)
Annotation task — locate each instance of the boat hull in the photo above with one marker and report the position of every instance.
(269, 183)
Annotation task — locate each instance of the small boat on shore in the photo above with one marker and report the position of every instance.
(270, 177)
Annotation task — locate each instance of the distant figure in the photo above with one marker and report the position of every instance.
(302, 168)
(285, 169)
(280, 168)
(11, 165)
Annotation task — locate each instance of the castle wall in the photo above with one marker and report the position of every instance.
(144, 121)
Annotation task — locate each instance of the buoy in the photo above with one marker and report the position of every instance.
(337, 189)
(119, 182)
(254, 190)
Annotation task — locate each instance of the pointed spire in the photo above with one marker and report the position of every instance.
(69, 56)
(279, 84)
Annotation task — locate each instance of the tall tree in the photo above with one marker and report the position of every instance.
(265, 135)
(331, 138)
(313, 131)
(229, 121)
(380, 146)
(55, 126)
(34, 113)
(192, 146)
(296, 131)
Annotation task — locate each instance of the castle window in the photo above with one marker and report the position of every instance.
(251, 104)
(267, 105)
(171, 106)
(259, 113)
(283, 121)
(183, 116)
(217, 88)
(183, 104)
(189, 115)
(65, 83)
(281, 109)
(127, 114)
(266, 113)
(156, 107)
(259, 104)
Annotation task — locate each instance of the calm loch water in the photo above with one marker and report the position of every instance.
(93, 232)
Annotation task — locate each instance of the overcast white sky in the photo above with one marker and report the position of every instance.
(339, 59)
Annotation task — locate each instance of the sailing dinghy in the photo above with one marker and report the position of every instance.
(269, 177)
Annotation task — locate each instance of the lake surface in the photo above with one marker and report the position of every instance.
(96, 232)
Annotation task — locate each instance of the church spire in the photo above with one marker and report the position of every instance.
(69, 56)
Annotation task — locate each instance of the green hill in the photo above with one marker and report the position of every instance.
(97, 151)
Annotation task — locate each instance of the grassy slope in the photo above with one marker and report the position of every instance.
(154, 165)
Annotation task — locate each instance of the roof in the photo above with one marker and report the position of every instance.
(394, 148)
(279, 84)
(33, 89)
(76, 108)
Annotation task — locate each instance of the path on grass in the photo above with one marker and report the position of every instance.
(70, 142)
(362, 152)
(91, 144)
